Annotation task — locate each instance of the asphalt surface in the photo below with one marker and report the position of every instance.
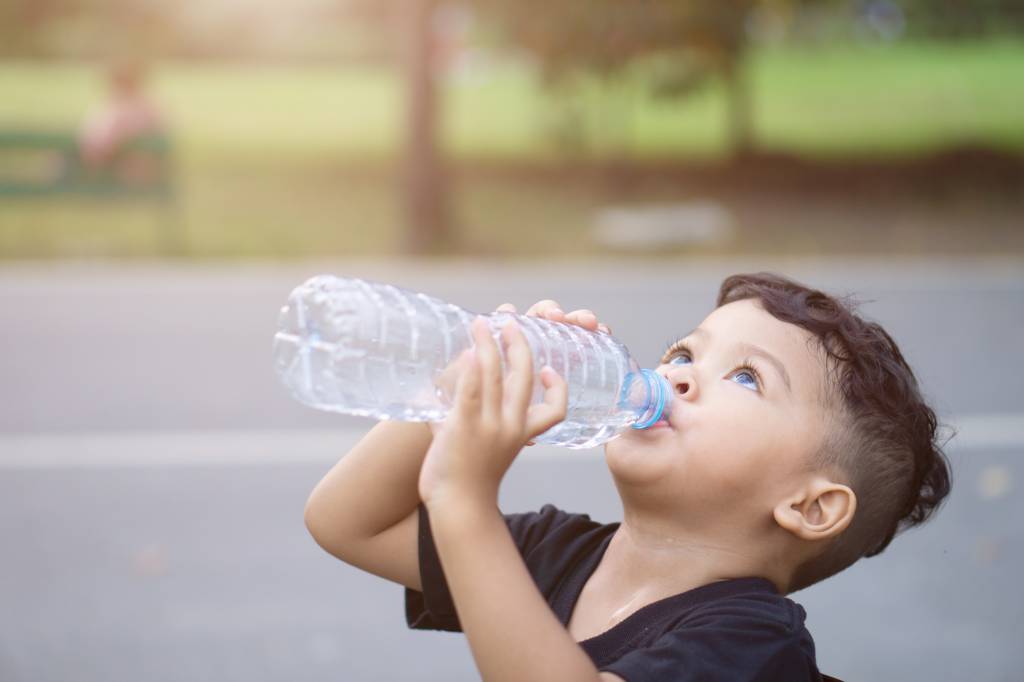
(153, 473)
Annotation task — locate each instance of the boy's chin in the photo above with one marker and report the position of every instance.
(640, 458)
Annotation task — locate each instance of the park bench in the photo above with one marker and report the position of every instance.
(43, 164)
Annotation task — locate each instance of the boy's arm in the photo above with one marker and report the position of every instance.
(364, 509)
(512, 632)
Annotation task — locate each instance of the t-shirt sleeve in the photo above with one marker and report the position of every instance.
(433, 608)
(733, 641)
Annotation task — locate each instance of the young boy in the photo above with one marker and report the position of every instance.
(797, 442)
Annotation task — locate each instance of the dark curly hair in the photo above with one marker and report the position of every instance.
(884, 441)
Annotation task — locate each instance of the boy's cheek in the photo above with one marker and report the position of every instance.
(727, 468)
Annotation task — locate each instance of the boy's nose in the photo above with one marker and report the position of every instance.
(682, 382)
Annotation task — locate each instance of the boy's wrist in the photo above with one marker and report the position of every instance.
(461, 511)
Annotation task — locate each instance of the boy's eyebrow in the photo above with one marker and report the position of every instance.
(751, 349)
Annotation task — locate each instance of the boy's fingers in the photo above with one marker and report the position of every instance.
(604, 328)
(447, 378)
(555, 315)
(490, 369)
(519, 382)
(583, 318)
(467, 388)
(548, 309)
(550, 412)
(505, 308)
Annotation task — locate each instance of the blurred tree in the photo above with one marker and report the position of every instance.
(425, 199)
(423, 179)
(605, 32)
(693, 41)
(87, 28)
(697, 39)
(958, 19)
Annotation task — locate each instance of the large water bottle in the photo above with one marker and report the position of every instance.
(364, 348)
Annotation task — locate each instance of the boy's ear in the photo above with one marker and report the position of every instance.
(822, 509)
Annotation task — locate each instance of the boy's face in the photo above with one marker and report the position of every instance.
(739, 439)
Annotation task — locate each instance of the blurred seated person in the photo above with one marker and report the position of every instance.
(106, 136)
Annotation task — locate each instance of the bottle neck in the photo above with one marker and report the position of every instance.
(646, 393)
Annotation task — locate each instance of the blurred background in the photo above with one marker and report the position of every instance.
(169, 171)
(349, 127)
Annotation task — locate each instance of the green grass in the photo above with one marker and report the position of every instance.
(841, 100)
(272, 158)
(894, 100)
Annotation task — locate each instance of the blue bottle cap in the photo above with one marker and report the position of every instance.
(646, 393)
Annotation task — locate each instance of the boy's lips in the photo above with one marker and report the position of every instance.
(667, 418)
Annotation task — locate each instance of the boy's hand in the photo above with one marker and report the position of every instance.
(490, 420)
(550, 310)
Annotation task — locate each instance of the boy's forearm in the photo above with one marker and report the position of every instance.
(374, 486)
(512, 631)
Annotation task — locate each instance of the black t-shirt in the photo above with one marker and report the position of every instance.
(739, 629)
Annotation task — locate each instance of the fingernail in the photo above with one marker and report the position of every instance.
(556, 311)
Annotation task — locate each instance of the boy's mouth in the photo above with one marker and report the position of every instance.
(666, 419)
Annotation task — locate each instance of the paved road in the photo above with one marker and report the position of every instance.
(152, 473)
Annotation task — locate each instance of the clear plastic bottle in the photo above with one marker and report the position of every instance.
(370, 349)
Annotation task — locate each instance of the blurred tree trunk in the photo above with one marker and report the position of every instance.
(739, 105)
(423, 181)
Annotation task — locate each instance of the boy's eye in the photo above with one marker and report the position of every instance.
(751, 380)
(745, 376)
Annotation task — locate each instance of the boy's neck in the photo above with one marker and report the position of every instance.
(657, 559)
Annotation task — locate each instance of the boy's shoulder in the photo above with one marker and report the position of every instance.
(552, 525)
(715, 631)
(555, 543)
(736, 629)
(748, 600)
(554, 540)
(729, 625)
